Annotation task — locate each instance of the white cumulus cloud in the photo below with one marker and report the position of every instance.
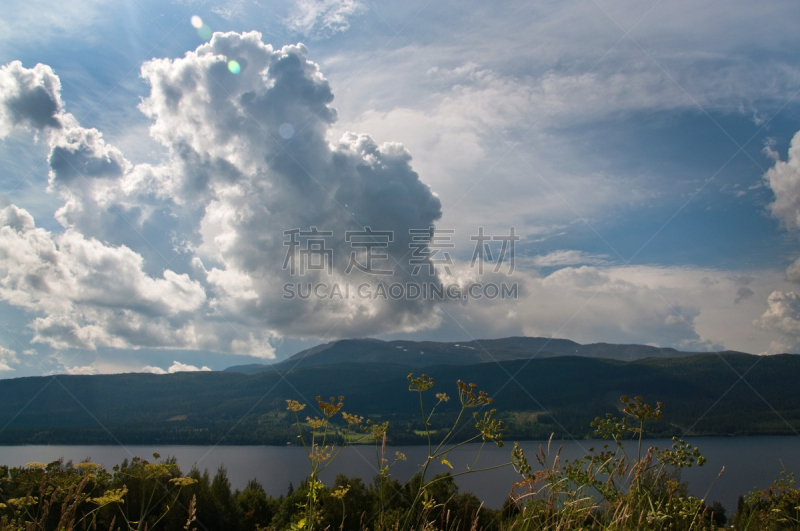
(175, 367)
(783, 307)
(784, 180)
(84, 370)
(783, 314)
(189, 253)
(8, 359)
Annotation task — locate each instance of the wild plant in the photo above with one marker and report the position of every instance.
(489, 429)
(40, 496)
(148, 491)
(377, 432)
(610, 489)
(775, 507)
(316, 436)
(67, 498)
(321, 449)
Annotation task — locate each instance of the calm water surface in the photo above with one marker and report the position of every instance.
(749, 462)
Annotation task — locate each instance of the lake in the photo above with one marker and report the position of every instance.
(749, 462)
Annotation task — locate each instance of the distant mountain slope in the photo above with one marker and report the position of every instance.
(428, 353)
(704, 395)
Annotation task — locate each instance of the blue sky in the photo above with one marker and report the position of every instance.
(641, 151)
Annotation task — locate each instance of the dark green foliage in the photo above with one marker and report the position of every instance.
(454, 510)
(214, 496)
(715, 513)
(359, 504)
(254, 507)
(291, 507)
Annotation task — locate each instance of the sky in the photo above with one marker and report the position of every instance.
(196, 185)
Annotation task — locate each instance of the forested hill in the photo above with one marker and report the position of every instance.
(703, 394)
(428, 353)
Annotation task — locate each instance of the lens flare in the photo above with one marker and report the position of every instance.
(286, 131)
(204, 32)
(234, 66)
(197, 22)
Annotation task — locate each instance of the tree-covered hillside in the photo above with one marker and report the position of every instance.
(704, 395)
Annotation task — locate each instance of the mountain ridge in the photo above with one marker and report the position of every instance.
(429, 353)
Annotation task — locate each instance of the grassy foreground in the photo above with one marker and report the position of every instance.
(610, 488)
